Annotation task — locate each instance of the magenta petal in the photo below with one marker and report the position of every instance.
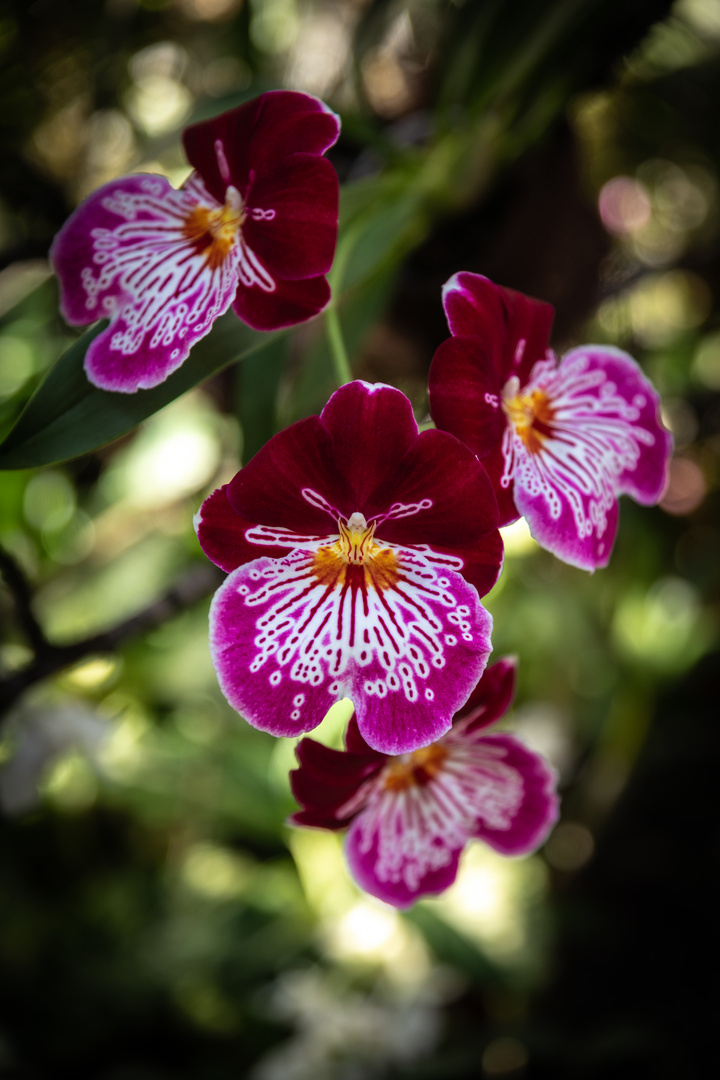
(290, 302)
(372, 428)
(293, 218)
(124, 255)
(525, 825)
(391, 885)
(466, 393)
(481, 562)
(493, 695)
(578, 545)
(221, 533)
(441, 495)
(253, 618)
(406, 696)
(604, 437)
(292, 482)
(515, 327)
(644, 476)
(286, 646)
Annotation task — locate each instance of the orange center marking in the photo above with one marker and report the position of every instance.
(356, 558)
(414, 769)
(213, 232)
(530, 414)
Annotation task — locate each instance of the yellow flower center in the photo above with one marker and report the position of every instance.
(213, 232)
(531, 414)
(415, 769)
(355, 558)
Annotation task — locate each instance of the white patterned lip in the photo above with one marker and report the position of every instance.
(572, 435)
(404, 638)
(422, 808)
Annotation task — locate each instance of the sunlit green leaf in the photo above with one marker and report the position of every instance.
(68, 416)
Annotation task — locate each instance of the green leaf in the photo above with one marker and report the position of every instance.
(67, 416)
(258, 383)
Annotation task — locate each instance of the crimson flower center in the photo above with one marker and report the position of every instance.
(355, 558)
(213, 232)
(415, 769)
(530, 412)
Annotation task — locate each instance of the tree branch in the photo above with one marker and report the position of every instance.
(50, 659)
(21, 594)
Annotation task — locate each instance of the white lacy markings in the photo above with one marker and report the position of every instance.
(277, 536)
(594, 440)
(251, 270)
(319, 502)
(421, 828)
(319, 634)
(149, 272)
(403, 510)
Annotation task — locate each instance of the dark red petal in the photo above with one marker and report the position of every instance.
(326, 779)
(336, 768)
(440, 468)
(476, 307)
(299, 241)
(372, 428)
(221, 532)
(292, 302)
(493, 695)
(268, 490)
(466, 393)
(354, 742)
(234, 130)
(494, 465)
(317, 819)
(291, 122)
(530, 321)
(482, 561)
(258, 135)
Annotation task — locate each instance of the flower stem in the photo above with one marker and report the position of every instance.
(337, 346)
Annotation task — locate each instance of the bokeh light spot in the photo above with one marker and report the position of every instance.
(624, 205)
(570, 846)
(686, 487)
(504, 1055)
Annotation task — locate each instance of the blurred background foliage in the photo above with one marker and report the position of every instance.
(157, 917)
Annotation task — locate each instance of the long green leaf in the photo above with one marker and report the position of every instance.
(68, 416)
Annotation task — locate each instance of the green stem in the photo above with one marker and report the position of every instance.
(337, 346)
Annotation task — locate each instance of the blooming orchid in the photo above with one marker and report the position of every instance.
(255, 226)
(561, 440)
(410, 816)
(357, 550)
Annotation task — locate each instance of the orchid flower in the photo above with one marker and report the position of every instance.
(410, 816)
(255, 226)
(357, 550)
(561, 440)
